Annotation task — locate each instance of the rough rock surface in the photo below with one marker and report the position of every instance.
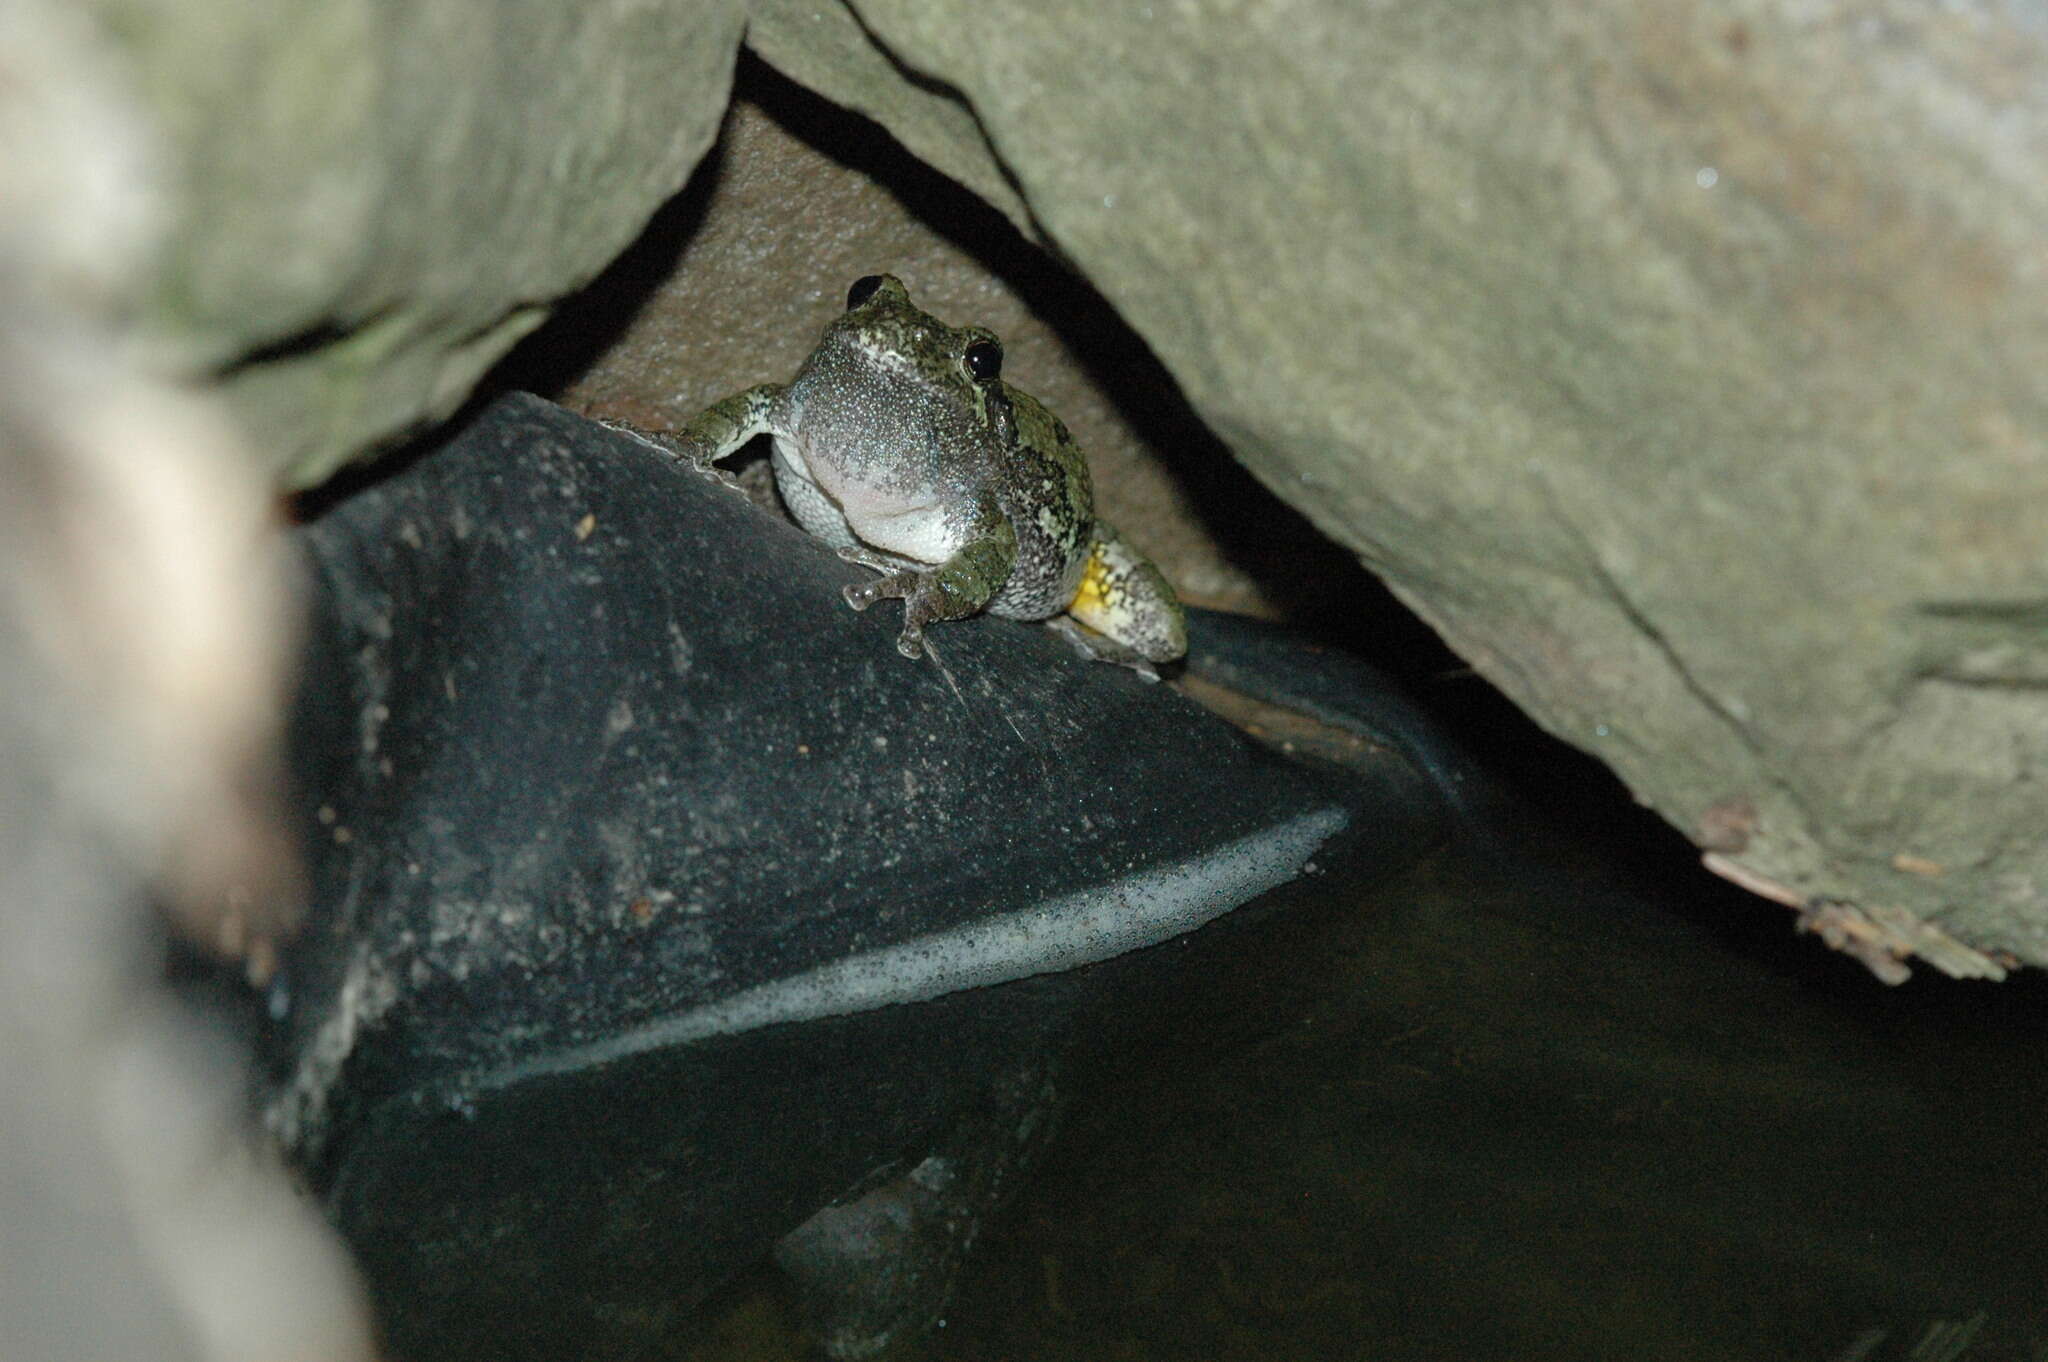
(1694, 396)
(657, 903)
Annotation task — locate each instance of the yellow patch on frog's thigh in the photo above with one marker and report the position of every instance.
(1100, 596)
(1124, 598)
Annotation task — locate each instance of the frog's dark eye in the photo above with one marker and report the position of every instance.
(862, 290)
(984, 359)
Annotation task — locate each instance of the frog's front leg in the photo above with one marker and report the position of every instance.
(718, 431)
(1125, 610)
(958, 587)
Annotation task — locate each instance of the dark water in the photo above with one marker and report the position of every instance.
(1599, 1107)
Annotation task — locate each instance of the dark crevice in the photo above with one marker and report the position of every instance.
(941, 89)
(2026, 612)
(299, 344)
(590, 321)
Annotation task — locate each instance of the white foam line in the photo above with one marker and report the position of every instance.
(1144, 909)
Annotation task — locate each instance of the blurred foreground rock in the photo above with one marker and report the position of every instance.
(141, 642)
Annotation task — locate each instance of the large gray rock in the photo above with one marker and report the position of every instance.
(1682, 366)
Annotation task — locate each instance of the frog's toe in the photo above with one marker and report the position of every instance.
(910, 643)
(867, 558)
(894, 586)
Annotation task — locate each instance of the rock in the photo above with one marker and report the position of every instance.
(1680, 366)
(366, 203)
(142, 638)
(658, 903)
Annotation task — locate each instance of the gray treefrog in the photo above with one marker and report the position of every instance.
(899, 444)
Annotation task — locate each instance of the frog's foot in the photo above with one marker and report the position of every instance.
(871, 558)
(902, 584)
(689, 453)
(951, 590)
(1100, 647)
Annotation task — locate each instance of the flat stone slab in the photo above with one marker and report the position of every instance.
(658, 901)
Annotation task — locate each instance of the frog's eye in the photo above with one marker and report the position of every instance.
(862, 290)
(984, 359)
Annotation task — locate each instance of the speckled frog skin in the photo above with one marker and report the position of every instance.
(899, 444)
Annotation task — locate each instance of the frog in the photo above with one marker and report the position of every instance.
(900, 445)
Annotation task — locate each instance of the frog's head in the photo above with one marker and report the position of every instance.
(885, 333)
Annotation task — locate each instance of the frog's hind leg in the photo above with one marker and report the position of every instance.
(1124, 610)
(958, 587)
(1101, 647)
